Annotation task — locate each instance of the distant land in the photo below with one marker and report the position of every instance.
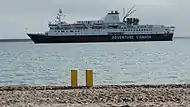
(15, 40)
(182, 37)
(28, 40)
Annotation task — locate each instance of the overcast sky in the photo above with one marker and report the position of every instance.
(17, 15)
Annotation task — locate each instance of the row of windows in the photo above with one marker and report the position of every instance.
(128, 27)
(138, 30)
(144, 26)
(104, 33)
(137, 27)
(122, 30)
(67, 31)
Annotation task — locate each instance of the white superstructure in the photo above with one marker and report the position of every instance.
(110, 24)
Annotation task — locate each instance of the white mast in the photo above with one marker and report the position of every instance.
(59, 16)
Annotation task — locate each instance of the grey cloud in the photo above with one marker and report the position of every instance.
(16, 15)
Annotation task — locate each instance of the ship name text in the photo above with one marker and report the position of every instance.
(131, 37)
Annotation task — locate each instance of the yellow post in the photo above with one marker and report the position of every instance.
(89, 78)
(74, 82)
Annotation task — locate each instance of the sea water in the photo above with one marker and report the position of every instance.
(112, 63)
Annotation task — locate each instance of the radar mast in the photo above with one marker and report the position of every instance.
(60, 13)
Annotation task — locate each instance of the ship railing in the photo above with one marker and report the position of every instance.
(37, 33)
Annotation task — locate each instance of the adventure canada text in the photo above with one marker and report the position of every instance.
(131, 37)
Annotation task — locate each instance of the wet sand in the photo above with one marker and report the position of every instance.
(98, 96)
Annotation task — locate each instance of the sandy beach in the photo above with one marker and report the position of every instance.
(97, 96)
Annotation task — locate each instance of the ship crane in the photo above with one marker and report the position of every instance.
(129, 13)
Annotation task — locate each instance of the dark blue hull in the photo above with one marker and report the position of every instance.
(39, 38)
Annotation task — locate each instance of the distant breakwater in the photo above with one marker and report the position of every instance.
(15, 40)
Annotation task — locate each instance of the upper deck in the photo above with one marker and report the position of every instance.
(110, 23)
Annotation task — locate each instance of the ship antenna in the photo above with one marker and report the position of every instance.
(26, 30)
(130, 10)
(123, 12)
(131, 13)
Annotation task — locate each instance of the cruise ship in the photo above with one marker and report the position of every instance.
(108, 29)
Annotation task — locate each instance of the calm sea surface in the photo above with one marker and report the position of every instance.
(113, 63)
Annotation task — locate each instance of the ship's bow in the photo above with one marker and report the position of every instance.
(36, 38)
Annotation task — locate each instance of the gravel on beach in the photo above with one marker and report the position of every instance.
(97, 96)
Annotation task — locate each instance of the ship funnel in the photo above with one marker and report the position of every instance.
(112, 17)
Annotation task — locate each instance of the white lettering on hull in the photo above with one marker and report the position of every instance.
(131, 37)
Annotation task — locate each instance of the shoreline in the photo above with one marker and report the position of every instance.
(57, 87)
(98, 96)
(15, 40)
